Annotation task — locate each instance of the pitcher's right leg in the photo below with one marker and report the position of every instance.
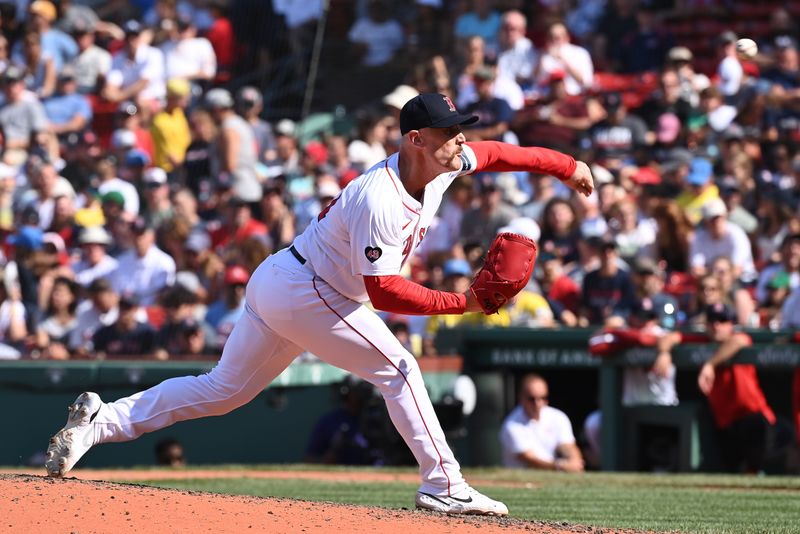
(253, 356)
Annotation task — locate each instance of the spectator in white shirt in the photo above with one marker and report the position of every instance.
(137, 71)
(536, 435)
(144, 270)
(563, 56)
(106, 169)
(715, 237)
(95, 262)
(376, 36)
(188, 56)
(92, 63)
(730, 70)
(517, 55)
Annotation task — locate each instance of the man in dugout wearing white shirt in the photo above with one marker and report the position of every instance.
(536, 435)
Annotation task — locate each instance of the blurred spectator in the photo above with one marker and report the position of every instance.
(561, 56)
(717, 237)
(95, 263)
(13, 318)
(169, 452)
(618, 20)
(619, 135)
(632, 233)
(480, 224)
(562, 293)
(39, 68)
(517, 55)
(250, 105)
(237, 225)
(45, 187)
(729, 70)
(68, 111)
(691, 83)
(481, 21)
(200, 260)
(55, 43)
(137, 71)
(235, 151)
(494, 114)
(157, 204)
(367, 148)
(144, 270)
(536, 435)
(187, 56)
(179, 304)
(92, 62)
(645, 48)
(648, 278)
(221, 37)
(377, 37)
(733, 294)
(197, 160)
(22, 119)
(133, 118)
(108, 183)
(127, 336)
(667, 99)
(789, 265)
(560, 230)
(223, 314)
(170, 129)
(59, 320)
(608, 294)
(698, 191)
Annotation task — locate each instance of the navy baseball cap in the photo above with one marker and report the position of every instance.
(431, 110)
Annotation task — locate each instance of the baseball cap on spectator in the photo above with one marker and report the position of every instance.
(676, 158)
(456, 267)
(29, 237)
(13, 74)
(781, 280)
(132, 27)
(67, 74)
(645, 265)
(484, 73)
(188, 280)
(219, 99)
(82, 25)
(328, 189)
(612, 101)
(236, 274)
(431, 110)
(94, 235)
(137, 158)
(679, 53)
(128, 301)
(401, 94)
(286, 127)
(785, 41)
(248, 96)
(113, 197)
(178, 87)
(128, 108)
(154, 176)
(601, 174)
(646, 176)
(727, 37)
(714, 208)
(606, 241)
(197, 241)
(720, 313)
(669, 126)
(44, 9)
(317, 151)
(54, 240)
(123, 138)
(700, 171)
(139, 226)
(524, 226)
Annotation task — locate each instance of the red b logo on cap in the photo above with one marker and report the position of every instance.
(449, 103)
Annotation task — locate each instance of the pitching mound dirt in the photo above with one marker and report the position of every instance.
(43, 505)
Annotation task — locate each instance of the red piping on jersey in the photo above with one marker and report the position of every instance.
(405, 379)
(395, 294)
(502, 157)
(386, 166)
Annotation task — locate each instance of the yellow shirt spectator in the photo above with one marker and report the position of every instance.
(700, 175)
(170, 129)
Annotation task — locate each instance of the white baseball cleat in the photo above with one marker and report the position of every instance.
(72, 441)
(467, 501)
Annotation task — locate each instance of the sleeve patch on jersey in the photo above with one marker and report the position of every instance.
(373, 253)
(466, 166)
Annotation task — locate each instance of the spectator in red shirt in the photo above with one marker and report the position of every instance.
(238, 225)
(562, 292)
(220, 35)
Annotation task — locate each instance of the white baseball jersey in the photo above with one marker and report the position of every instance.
(373, 226)
(520, 433)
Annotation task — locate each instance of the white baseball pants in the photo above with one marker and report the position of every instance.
(289, 310)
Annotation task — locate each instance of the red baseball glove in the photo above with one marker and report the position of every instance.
(507, 269)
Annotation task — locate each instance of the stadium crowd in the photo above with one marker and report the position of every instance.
(140, 184)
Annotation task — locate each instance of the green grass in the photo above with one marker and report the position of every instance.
(662, 503)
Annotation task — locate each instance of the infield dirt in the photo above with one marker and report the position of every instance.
(42, 505)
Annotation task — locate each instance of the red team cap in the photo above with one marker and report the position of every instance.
(236, 274)
(431, 110)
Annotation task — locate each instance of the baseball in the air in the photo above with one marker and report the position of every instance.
(746, 48)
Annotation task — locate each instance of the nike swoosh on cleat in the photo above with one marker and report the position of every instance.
(467, 500)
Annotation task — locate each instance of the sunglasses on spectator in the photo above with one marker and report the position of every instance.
(534, 398)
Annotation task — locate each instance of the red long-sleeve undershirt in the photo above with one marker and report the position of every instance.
(495, 156)
(395, 294)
